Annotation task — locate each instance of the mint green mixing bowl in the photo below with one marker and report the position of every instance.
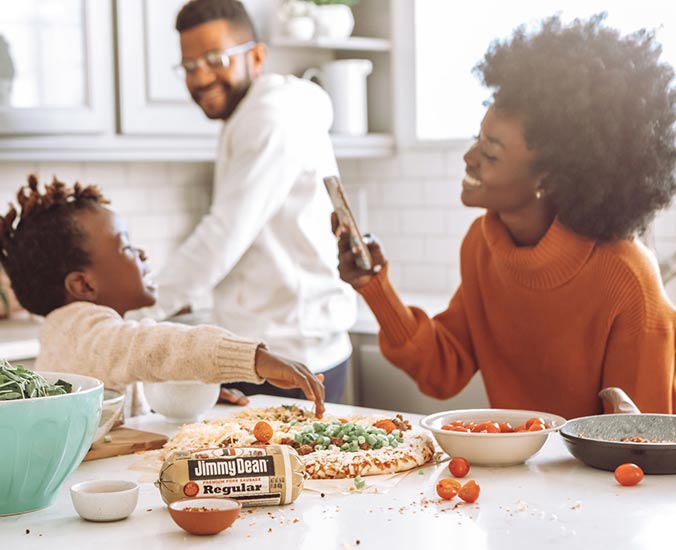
(43, 440)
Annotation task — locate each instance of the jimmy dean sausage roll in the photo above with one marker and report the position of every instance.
(256, 476)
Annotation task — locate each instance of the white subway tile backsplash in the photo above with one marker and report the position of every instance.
(384, 222)
(152, 227)
(107, 175)
(185, 173)
(380, 168)
(422, 221)
(348, 168)
(454, 164)
(458, 220)
(442, 192)
(421, 277)
(403, 193)
(441, 250)
(127, 200)
(665, 223)
(404, 249)
(395, 272)
(172, 198)
(146, 173)
(67, 172)
(419, 164)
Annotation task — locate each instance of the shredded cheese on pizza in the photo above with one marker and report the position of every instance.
(368, 450)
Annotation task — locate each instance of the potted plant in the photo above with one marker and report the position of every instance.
(7, 72)
(296, 19)
(4, 297)
(333, 18)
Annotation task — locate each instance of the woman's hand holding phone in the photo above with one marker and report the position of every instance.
(349, 271)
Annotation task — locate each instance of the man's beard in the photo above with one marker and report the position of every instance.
(233, 97)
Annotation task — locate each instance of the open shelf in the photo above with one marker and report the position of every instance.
(353, 43)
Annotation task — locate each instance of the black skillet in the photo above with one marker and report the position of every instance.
(596, 441)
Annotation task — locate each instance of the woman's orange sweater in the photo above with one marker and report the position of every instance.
(549, 326)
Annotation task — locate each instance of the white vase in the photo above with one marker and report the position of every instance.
(333, 21)
(299, 28)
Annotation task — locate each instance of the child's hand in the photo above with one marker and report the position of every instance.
(284, 373)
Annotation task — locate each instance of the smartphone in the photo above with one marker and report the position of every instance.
(345, 217)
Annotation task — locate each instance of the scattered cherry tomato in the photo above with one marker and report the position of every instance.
(447, 488)
(263, 432)
(458, 466)
(469, 492)
(628, 474)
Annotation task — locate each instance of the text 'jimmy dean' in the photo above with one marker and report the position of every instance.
(231, 467)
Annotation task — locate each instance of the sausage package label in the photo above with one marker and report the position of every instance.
(256, 476)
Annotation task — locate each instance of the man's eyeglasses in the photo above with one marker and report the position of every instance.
(215, 59)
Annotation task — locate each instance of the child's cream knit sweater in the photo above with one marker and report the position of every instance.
(94, 340)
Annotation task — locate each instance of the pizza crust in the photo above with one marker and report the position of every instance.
(416, 449)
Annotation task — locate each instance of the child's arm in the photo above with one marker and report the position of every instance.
(95, 341)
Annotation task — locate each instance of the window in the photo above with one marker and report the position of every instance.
(451, 38)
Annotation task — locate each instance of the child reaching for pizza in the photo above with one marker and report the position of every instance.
(69, 259)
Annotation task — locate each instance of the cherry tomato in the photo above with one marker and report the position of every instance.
(386, 425)
(536, 427)
(488, 427)
(469, 492)
(628, 474)
(263, 432)
(505, 427)
(447, 488)
(534, 420)
(458, 466)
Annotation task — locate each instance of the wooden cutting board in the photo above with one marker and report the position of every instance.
(125, 441)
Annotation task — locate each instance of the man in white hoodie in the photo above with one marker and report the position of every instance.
(264, 249)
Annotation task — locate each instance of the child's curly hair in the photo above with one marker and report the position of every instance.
(599, 110)
(46, 243)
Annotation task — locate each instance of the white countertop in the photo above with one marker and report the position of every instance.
(553, 501)
(19, 337)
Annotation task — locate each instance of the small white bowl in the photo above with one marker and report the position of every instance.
(182, 401)
(491, 449)
(104, 500)
(111, 411)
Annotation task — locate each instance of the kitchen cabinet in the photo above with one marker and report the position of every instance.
(55, 67)
(153, 100)
(150, 115)
(378, 384)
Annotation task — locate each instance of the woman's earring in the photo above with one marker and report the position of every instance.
(539, 194)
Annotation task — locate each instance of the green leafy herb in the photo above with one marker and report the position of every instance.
(20, 383)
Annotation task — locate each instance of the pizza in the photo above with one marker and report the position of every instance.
(330, 448)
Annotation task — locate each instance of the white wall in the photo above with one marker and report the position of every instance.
(161, 202)
(411, 201)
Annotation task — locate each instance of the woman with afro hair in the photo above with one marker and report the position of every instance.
(557, 300)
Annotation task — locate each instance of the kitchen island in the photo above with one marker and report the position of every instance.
(552, 501)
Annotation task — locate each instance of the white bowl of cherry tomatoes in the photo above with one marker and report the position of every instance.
(492, 437)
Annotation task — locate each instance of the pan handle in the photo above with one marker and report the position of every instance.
(618, 401)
